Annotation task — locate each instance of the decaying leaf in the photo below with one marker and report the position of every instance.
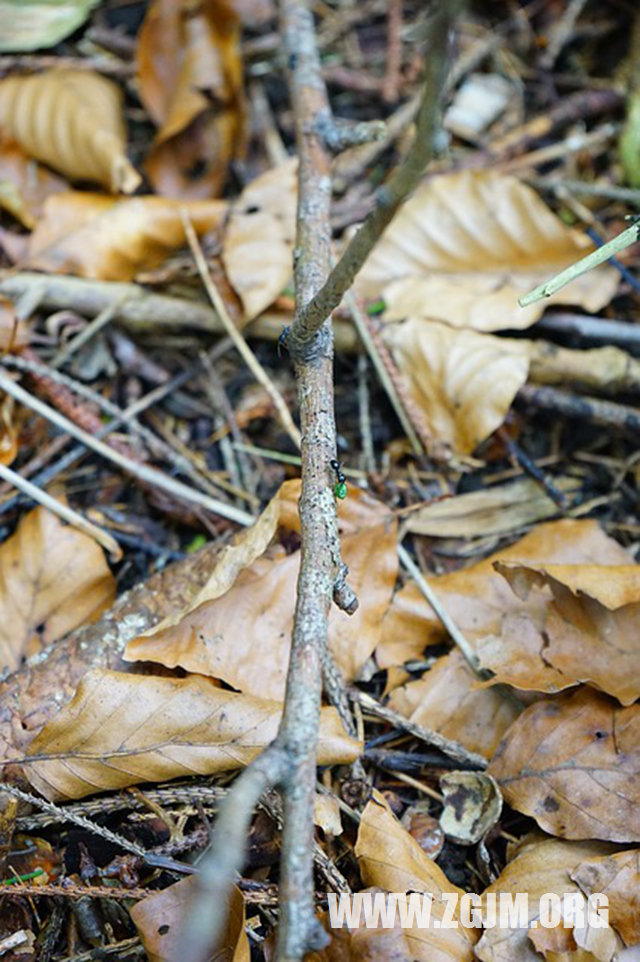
(160, 916)
(239, 628)
(463, 382)
(71, 120)
(190, 80)
(37, 24)
(542, 866)
(326, 814)
(25, 184)
(466, 245)
(477, 597)
(93, 235)
(573, 763)
(618, 877)
(52, 579)
(498, 509)
(122, 729)
(257, 250)
(472, 806)
(591, 628)
(34, 694)
(447, 700)
(388, 857)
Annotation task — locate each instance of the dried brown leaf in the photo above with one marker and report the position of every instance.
(239, 628)
(499, 509)
(53, 578)
(466, 245)
(477, 597)
(573, 763)
(25, 184)
(34, 693)
(92, 235)
(160, 917)
(463, 382)
(189, 69)
(257, 250)
(390, 858)
(618, 877)
(122, 729)
(14, 332)
(72, 121)
(447, 700)
(591, 627)
(543, 866)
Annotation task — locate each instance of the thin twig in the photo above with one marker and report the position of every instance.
(62, 511)
(447, 621)
(391, 195)
(628, 237)
(239, 342)
(447, 746)
(149, 857)
(142, 471)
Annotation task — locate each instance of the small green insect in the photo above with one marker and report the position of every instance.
(340, 487)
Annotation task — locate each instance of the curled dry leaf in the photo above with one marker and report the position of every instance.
(472, 806)
(463, 382)
(257, 249)
(71, 120)
(590, 630)
(92, 235)
(37, 24)
(543, 866)
(123, 729)
(189, 68)
(326, 814)
(499, 509)
(477, 597)
(573, 764)
(25, 184)
(390, 858)
(618, 877)
(466, 245)
(446, 699)
(160, 917)
(239, 628)
(53, 578)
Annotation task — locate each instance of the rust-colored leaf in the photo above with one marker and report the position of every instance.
(25, 184)
(14, 333)
(591, 627)
(542, 866)
(190, 79)
(122, 729)
(93, 235)
(389, 857)
(477, 597)
(239, 629)
(463, 382)
(53, 578)
(71, 120)
(160, 916)
(573, 763)
(466, 245)
(447, 700)
(257, 250)
(618, 877)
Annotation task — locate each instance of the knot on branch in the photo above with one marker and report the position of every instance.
(338, 135)
(306, 345)
(343, 595)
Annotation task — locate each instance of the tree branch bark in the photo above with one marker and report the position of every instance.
(321, 578)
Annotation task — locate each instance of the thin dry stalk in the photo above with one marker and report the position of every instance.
(239, 342)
